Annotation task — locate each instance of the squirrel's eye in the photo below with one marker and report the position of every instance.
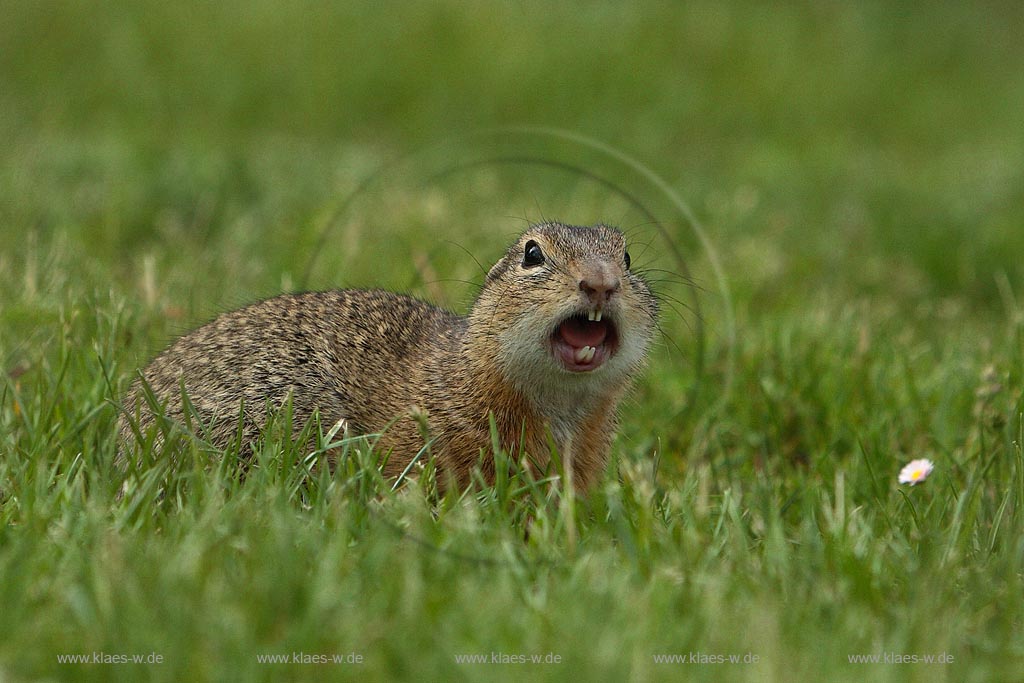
(532, 255)
(626, 259)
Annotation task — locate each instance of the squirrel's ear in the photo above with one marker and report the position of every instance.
(497, 269)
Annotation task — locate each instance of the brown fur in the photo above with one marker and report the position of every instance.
(374, 358)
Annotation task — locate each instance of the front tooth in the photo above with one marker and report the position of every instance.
(597, 315)
(592, 316)
(584, 354)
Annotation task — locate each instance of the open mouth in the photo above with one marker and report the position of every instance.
(584, 342)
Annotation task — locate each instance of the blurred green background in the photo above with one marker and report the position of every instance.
(875, 144)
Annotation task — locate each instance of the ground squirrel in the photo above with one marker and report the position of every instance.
(560, 328)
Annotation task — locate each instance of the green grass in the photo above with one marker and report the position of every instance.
(857, 170)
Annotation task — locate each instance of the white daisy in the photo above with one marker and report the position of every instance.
(916, 470)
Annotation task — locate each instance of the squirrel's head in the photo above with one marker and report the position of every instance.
(563, 303)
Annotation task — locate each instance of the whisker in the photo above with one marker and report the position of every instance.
(479, 265)
(670, 341)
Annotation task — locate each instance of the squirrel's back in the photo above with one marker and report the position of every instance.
(350, 353)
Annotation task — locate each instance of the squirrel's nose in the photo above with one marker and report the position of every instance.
(598, 284)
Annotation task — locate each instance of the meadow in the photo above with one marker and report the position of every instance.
(828, 198)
